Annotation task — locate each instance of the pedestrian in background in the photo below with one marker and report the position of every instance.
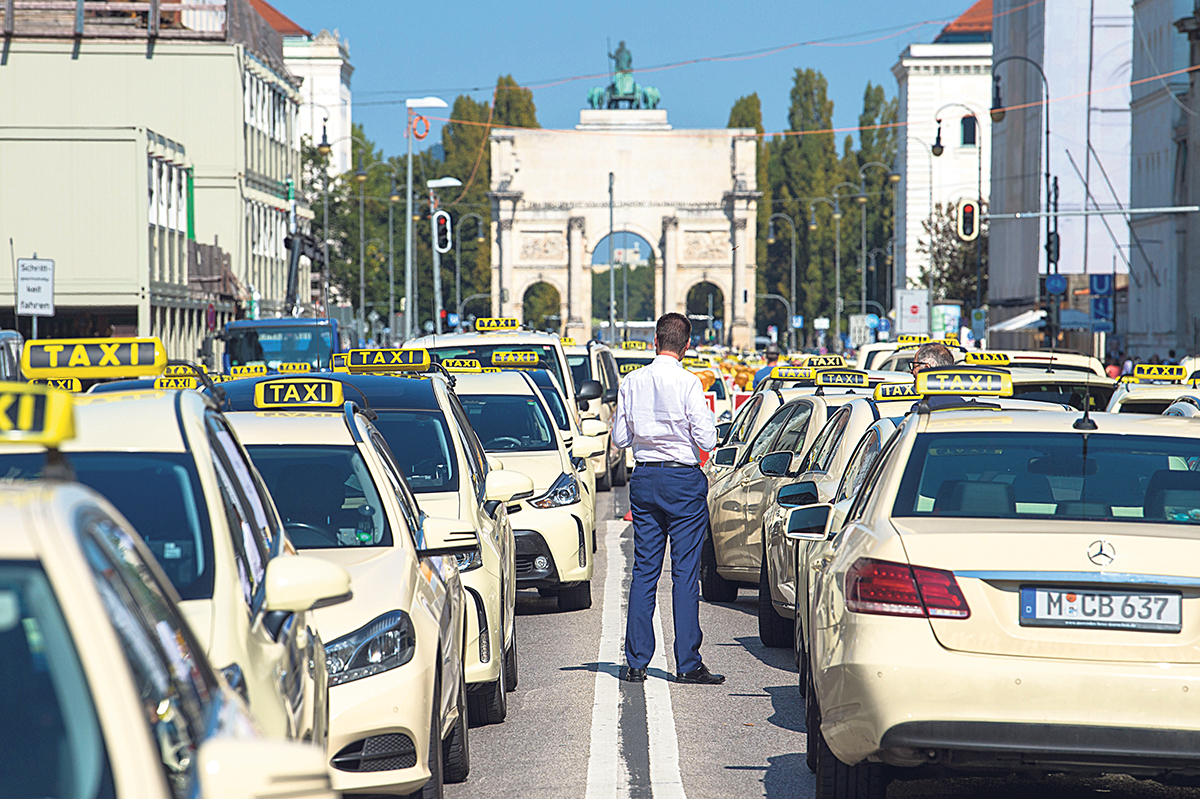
(662, 415)
(772, 361)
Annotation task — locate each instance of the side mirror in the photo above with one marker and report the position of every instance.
(723, 429)
(494, 463)
(775, 464)
(245, 768)
(443, 534)
(610, 396)
(503, 486)
(589, 390)
(808, 523)
(593, 427)
(587, 447)
(725, 457)
(797, 494)
(296, 583)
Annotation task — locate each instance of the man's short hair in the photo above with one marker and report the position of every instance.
(934, 354)
(772, 352)
(674, 333)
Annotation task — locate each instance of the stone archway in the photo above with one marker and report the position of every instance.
(705, 299)
(541, 307)
(629, 249)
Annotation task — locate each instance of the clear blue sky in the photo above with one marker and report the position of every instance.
(449, 48)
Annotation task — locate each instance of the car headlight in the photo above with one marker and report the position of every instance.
(386, 643)
(468, 561)
(565, 491)
(725, 416)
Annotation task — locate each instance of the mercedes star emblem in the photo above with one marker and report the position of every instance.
(1101, 552)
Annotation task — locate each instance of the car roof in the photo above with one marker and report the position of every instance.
(432, 342)
(494, 383)
(291, 427)
(1044, 421)
(130, 421)
(1038, 374)
(288, 322)
(380, 391)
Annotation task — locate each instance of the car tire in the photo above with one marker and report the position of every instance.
(433, 786)
(836, 780)
(812, 723)
(621, 473)
(604, 481)
(488, 703)
(773, 630)
(510, 664)
(575, 597)
(456, 749)
(713, 586)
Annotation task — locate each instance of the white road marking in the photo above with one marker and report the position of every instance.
(665, 780)
(607, 776)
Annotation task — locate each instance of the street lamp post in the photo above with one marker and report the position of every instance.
(361, 176)
(771, 240)
(837, 260)
(325, 148)
(458, 257)
(937, 150)
(997, 114)
(861, 199)
(893, 177)
(433, 186)
(411, 313)
(612, 276)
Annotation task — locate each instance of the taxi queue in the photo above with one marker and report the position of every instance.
(281, 576)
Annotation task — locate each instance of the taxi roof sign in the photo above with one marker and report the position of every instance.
(515, 358)
(34, 414)
(627, 367)
(492, 324)
(294, 367)
(291, 392)
(988, 358)
(94, 358)
(567, 341)
(633, 345)
(844, 378)
(825, 361)
(910, 338)
(247, 370)
(183, 369)
(399, 360)
(61, 383)
(462, 365)
(792, 373)
(895, 391)
(1162, 372)
(980, 381)
(177, 382)
(1127, 380)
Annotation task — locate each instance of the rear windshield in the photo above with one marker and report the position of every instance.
(1072, 394)
(509, 423)
(311, 344)
(482, 352)
(160, 495)
(1150, 406)
(325, 495)
(1068, 476)
(420, 442)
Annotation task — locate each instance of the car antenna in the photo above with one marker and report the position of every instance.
(1086, 422)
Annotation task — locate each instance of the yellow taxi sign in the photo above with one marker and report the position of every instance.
(910, 338)
(90, 358)
(978, 382)
(844, 378)
(825, 361)
(491, 370)
(176, 382)
(567, 341)
(515, 358)
(492, 324)
(183, 370)
(247, 370)
(696, 363)
(61, 383)
(290, 392)
(410, 360)
(1128, 380)
(34, 414)
(633, 345)
(1163, 372)
(626, 368)
(294, 367)
(948, 341)
(462, 365)
(988, 358)
(792, 373)
(895, 391)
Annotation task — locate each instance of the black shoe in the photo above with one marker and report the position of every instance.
(633, 674)
(700, 676)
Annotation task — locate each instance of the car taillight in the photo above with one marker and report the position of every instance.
(897, 589)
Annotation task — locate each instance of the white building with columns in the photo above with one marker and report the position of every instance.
(951, 76)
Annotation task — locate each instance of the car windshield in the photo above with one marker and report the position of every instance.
(1067, 476)
(159, 493)
(482, 352)
(557, 409)
(420, 442)
(51, 737)
(312, 344)
(509, 423)
(325, 495)
(580, 369)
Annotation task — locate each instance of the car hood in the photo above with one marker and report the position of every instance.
(543, 468)
(380, 578)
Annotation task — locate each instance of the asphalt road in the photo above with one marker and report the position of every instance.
(575, 730)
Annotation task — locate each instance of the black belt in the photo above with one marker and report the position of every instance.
(668, 464)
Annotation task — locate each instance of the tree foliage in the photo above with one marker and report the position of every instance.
(951, 272)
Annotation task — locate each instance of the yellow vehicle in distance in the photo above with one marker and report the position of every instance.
(1151, 389)
(86, 615)
(594, 361)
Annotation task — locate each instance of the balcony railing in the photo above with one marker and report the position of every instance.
(115, 19)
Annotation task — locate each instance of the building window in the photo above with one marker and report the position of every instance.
(968, 131)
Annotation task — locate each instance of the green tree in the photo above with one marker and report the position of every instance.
(774, 274)
(878, 142)
(468, 158)
(514, 105)
(543, 308)
(951, 273)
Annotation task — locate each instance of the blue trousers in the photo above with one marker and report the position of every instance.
(668, 504)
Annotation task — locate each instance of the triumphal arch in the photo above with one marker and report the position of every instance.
(690, 194)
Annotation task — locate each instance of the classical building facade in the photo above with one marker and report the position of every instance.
(690, 194)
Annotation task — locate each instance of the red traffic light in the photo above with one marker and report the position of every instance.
(968, 220)
(442, 234)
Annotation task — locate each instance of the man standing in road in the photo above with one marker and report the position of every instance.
(662, 414)
(772, 361)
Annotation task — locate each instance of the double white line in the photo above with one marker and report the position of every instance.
(608, 775)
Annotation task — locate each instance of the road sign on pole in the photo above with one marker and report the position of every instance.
(912, 311)
(35, 288)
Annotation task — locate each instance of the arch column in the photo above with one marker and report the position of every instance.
(666, 282)
(502, 276)
(578, 314)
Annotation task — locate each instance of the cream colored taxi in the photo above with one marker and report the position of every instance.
(1152, 388)
(397, 688)
(105, 688)
(169, 461)
(631, 356)
(554, 529)
(1012, 591)
(594, 361)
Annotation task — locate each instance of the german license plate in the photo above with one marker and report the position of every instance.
(1090, 607)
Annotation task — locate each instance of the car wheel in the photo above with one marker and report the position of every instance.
(488, 703)
(713, 586)
(812, 723)
(621, 473)
(510, 664)
(456, 749)
(836, 780)
(773, 630)
(433, 787)
(576, 597)
(604, 481)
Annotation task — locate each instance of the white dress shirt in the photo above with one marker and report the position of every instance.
(661, 412)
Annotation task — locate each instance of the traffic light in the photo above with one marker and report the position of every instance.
(1052, 248)
(442, 240)
(968, 220)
